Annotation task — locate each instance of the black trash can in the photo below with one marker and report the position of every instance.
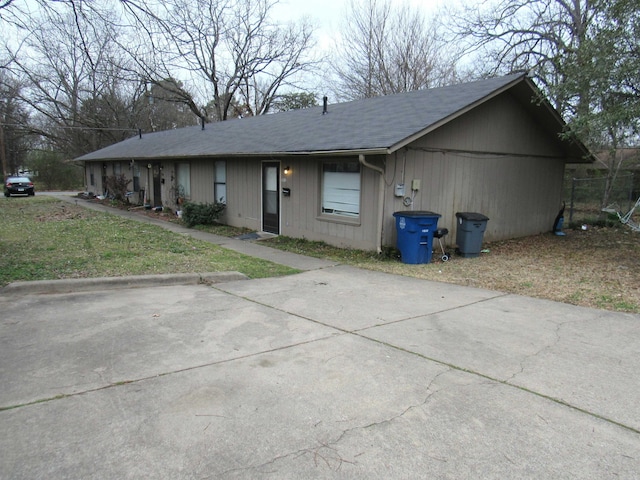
(415, 231)
(470, 232)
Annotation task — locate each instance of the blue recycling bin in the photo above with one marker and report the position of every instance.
(415, 231)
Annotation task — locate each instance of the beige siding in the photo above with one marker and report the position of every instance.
(96, 168)
(495, 161)
(243, 189)
(300, 212)
(244, 179)
(98, 171)
(501, 125)
(301, 216)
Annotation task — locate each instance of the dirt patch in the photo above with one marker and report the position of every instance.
(63, 212)
(160, 214)
(165, 215)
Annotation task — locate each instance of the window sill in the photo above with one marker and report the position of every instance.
(354, 221)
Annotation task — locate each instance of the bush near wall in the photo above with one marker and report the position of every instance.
(201, 213)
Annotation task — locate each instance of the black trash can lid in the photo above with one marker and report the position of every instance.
(415, 213)
(472, 216)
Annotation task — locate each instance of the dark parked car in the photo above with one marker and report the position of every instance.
(18, 186)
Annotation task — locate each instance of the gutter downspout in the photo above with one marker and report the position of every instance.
(381, 192)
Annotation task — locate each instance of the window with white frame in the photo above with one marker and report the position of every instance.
(341, 188)
(220, 182)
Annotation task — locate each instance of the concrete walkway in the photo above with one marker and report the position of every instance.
(335, 372)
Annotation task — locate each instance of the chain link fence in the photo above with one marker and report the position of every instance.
(586, 197)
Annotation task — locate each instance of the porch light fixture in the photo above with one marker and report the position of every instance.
(287, 170)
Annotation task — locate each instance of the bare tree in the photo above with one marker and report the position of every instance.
(91, 69)
(385, 50)
(68, 65)
(231, 50)
(541, 36)
(14, 140)
(159, 109)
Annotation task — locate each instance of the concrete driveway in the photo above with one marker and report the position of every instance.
(331, 373)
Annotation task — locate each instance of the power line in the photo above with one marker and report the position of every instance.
(104, 129)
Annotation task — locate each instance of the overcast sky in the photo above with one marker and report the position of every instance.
(327, 14)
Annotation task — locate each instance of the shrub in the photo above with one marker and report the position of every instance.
(117, 186)
(201, 213)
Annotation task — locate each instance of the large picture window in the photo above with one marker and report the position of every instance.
(341, 188)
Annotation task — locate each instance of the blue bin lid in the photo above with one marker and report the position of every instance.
(416, 213)
(472, 216)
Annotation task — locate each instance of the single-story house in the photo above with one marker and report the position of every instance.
(338, 172)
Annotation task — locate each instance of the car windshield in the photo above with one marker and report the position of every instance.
(18, 180)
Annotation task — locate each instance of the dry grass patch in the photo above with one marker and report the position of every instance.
(599, 267)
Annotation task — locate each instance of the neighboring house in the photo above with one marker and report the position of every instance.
(338, 172)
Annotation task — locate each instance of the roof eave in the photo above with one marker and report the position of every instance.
(268, 154)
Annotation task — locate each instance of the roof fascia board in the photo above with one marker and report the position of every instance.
(323, 153)
(462, 111)
(541, 100)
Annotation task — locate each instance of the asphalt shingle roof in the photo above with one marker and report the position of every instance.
(379, 123)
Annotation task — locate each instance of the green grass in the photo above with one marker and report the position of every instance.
(42, 239)
(223, 230)
(323, 250)
(609, 302)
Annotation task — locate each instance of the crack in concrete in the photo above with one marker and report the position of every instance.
(485, 376)
(546, 348)
(326, 452)
(360, 333)
(410, 407)
(163, 374)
